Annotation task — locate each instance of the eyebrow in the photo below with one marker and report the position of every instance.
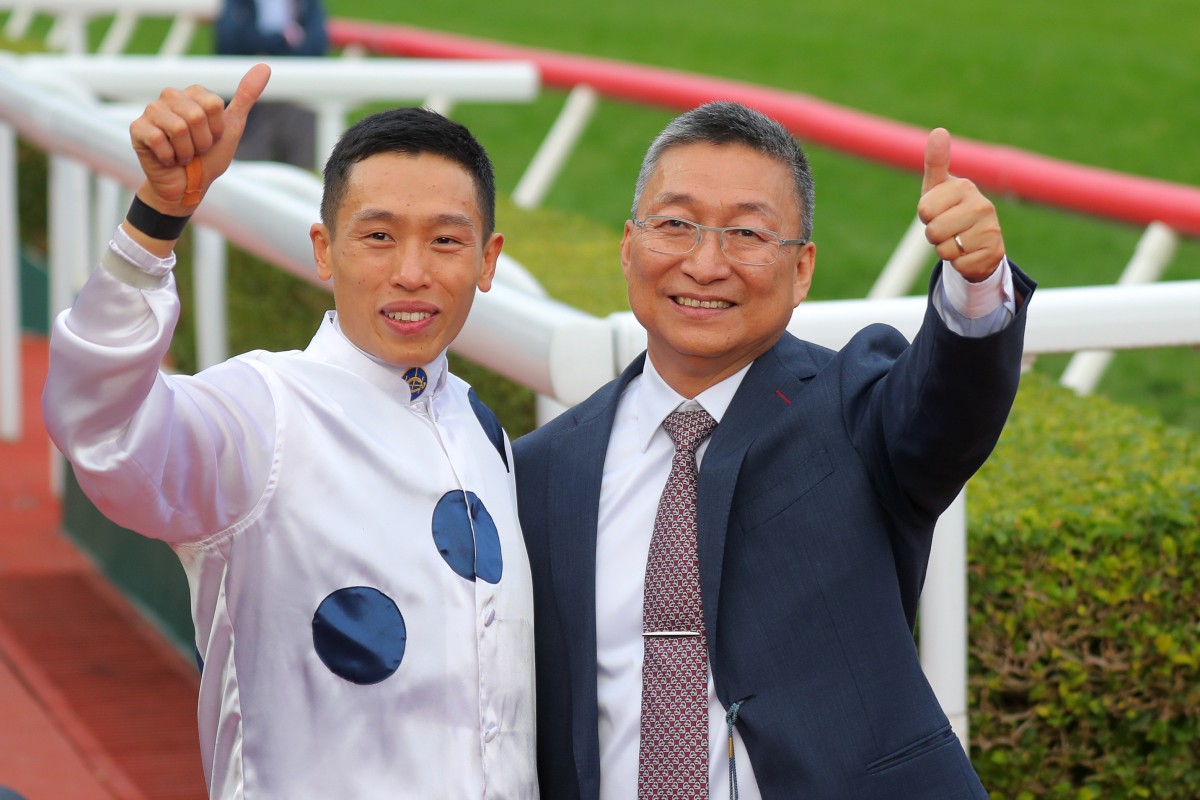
(668, 198)
(383, 215)
(454, 219)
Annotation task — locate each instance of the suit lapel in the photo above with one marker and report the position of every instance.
(769, 390)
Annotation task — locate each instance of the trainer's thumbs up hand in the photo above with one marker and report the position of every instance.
(191, 127)
(960, 222)
(937, 160)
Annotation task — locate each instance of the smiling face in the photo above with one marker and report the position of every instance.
(406, 255)
(706, 316)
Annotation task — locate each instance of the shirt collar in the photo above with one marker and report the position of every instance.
(331, 345)
(655, 400)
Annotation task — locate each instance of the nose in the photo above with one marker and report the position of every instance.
(409, 271)
(707, 262)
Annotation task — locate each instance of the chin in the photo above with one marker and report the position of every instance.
(700, 348)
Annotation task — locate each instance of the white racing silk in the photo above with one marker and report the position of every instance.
(359, 584)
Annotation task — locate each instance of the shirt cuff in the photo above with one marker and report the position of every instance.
(123, 245)
(977, 300)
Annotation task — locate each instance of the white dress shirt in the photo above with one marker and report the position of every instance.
(636, 466)
(365, 633)
(274, 16)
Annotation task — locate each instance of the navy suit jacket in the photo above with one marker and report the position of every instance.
(818, 496)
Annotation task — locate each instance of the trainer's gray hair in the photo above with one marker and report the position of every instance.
(724, 122)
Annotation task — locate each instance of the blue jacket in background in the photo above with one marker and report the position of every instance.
(237, 32)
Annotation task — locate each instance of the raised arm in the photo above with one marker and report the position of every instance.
(174, 457)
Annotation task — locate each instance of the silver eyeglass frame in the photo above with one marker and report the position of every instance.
(640, 224)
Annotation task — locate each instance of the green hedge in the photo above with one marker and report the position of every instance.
(1084, 604)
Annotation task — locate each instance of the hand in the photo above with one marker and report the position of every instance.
(960, 222)
(180, 127)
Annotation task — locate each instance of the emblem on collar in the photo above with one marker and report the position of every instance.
(417, 380)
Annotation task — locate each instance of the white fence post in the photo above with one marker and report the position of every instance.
(18, 22)
(911, 256)
(70, 243)
(10, 290)
(944, 617)
(1150, 259)
(179, 36)
(552, 154)
(209, 271)
(118, 33)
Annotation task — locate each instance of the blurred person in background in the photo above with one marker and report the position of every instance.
(275, 131)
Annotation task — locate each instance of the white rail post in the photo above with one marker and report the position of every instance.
(1154, 251)
(18, 22)
(68, 226)
(441, 103)
(911, 256)
(176, 42)
(944, 617)
(10, 291)
(107, 211)
(209, 272)
(69, 257)
(552, 154)
(69, 32)
(331, 121)
(118, 33)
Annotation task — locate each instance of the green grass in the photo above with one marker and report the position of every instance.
(1092, 81)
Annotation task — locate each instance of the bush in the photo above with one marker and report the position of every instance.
(1084, 626)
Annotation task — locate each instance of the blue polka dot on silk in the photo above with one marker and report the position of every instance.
(467, 538)
(359, 634)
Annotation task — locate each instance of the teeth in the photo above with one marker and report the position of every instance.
(692, 303)
(409, 316)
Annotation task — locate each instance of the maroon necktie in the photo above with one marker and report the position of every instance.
(673, 757)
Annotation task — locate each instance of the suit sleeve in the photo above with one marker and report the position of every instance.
(925, 417)
(171, 457)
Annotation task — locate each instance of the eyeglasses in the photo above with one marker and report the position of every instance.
(677, 237)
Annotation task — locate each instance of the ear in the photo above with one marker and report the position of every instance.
(321, 242)
(806, 262)
(626, 247)
(491, 252)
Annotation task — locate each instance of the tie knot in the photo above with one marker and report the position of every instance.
(688, 428)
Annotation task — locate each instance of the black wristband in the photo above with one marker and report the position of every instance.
(155, 224)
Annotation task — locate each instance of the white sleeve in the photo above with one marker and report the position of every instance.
(173, 457)
(976, 309)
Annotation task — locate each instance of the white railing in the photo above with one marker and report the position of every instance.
(331, 87)
(554, 349)
(71, 17)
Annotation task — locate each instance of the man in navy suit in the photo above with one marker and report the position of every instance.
(818, 489)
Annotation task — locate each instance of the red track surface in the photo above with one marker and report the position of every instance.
(94, 703)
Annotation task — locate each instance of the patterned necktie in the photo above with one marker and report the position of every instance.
(673, 756)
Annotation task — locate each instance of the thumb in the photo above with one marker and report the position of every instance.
(248, 92)
(937, 159)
